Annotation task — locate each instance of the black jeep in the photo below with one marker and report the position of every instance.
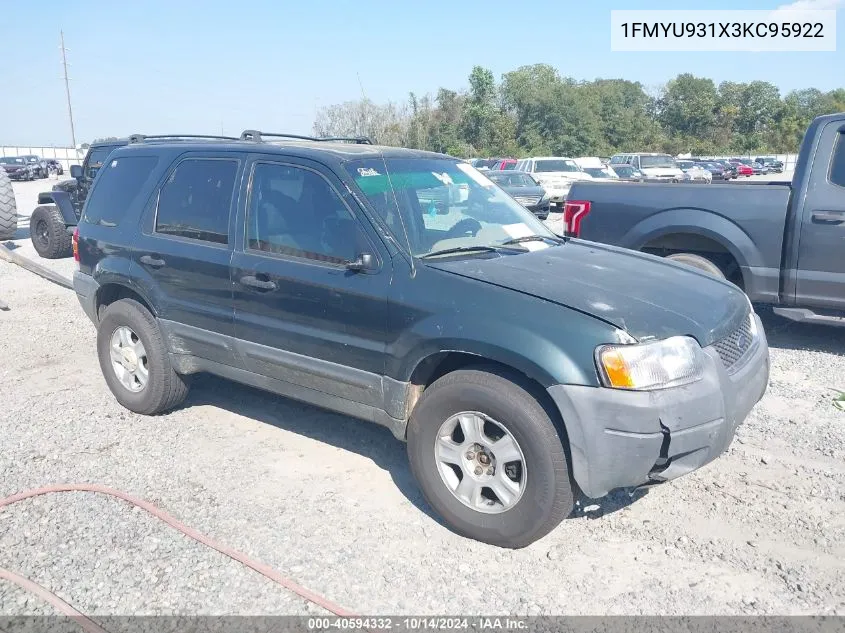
(53, 221)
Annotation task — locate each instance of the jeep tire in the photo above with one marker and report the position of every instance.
(48, 232)
(491, 404)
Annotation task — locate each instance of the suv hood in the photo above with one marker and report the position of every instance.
(642, 294)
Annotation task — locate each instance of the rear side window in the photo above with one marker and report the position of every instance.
(120, 183)
(196, 199)
(837, 164)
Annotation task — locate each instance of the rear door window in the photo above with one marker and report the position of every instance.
(196, 200)
(121, 181)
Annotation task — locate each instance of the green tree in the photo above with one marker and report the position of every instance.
(688, 107)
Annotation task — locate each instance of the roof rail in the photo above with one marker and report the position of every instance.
(258, 137)
(140, 138)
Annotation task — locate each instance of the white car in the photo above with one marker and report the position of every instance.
(554, 173)
(654, 167)
(694, 172)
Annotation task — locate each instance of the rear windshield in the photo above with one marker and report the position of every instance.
(120, 182)
(556, 164)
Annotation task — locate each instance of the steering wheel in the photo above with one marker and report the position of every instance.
(467, 225)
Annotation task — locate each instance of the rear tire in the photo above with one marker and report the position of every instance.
(163, 388)
(699, 262)
(49, 234)
(545, 494)
(8, 208)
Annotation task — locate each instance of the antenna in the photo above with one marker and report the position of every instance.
(363, 94)
(67, 89)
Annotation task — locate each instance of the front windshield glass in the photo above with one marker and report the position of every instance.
(442, 204)
(556, 164)
(663, 160)
(12, 160)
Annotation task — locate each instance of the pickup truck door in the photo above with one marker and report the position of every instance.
(821, 252)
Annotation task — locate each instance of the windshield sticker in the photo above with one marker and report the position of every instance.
(518, 230)
(368, 171)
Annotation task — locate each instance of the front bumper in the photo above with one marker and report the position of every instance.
(624, 438)
(86, 288)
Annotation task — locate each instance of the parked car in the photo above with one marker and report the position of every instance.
(58, 211)
(741, 168)
(39, 168)
(56, 166)
(524, 189)
(504, 164)
(601, 173)
(781, 242)
(628, 173)
(654, 167)
(483, 163)
(555, 173)
(773, 165)
(692, 172)
(18, 168)
(728, 169)
(518, 366)
(717, 172)
(756, 169)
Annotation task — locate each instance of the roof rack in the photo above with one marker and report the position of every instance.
(258, 137)
(140, 138)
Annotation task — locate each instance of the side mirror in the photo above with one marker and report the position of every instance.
(76, 171)
(364, 261)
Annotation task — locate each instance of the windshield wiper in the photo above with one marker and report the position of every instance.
(461, 249)
(534, 238)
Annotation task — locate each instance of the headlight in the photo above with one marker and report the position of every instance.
(652, 365)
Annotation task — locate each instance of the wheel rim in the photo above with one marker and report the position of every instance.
(41, 231)
(480, 462)
(129, 359)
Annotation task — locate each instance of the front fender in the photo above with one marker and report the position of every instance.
(63, 201)
(698, 222)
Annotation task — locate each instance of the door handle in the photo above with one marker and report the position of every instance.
(152, 260)
(829, 217)
(254, 282)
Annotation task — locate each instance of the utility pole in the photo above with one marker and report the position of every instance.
(67, 90)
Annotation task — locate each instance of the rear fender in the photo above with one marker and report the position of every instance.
(695, 222)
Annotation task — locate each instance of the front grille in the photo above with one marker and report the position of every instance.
(733, 348)
(526, 200)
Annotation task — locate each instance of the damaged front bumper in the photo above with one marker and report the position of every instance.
(624, 438)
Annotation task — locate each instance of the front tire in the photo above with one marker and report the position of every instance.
(134, 360)
(461, 423)
(49, 234)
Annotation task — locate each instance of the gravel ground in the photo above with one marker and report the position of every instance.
(330, 501)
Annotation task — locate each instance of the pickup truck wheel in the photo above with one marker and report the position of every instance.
(697, 261)
(134, 360)
(489, 459)
(8, 208)
(49, 233)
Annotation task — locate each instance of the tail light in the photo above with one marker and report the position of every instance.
(76, 244)
(574, 212)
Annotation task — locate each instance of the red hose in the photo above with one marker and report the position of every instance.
(89, 625)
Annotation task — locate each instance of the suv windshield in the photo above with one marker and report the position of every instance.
(556, 165)
(12, 160)
(442, 204)
(663, 160)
